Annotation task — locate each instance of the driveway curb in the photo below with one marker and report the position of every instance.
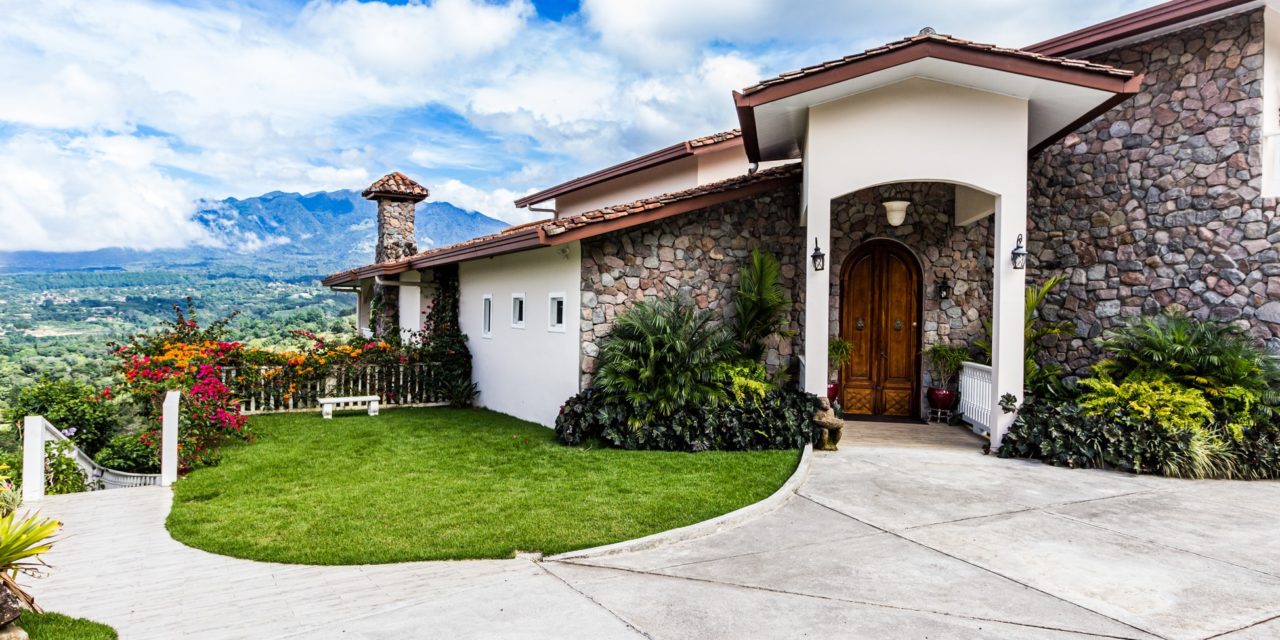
(706, 527)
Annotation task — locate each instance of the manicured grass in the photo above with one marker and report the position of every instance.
(431, 484)
(55, 626)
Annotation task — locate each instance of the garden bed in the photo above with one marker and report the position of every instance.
(436, 484)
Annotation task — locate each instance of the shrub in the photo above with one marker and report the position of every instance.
(83, 413)
(778, 420)
(127, 452)
(1039, 377)
(1055, 431)
(760, 306)
(661, 357)
(748, 381)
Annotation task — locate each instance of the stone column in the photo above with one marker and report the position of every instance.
(397, 197)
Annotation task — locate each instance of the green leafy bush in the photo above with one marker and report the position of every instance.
(82, 412)
(760, 306)
(1039, 377)
(945, 361)
(62, 474)
(127, 452)
(780, 419)
(748, 381)
(662, 358)
(1056, 431)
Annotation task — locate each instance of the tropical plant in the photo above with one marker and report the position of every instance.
(747, 380)
(1038, 377)
(1240, 378)
(839, 352)
(661, 357)
(62, 474)
(761, 307)
(22, 540)
(945, 361)
(10, 496)
(461, 393)
(67, 404)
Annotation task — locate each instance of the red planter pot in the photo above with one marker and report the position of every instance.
(833, 390)
(942, 399)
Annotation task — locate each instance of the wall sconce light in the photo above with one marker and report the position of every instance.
(1019, 255)
(819, 258)
(896, 211)
(944, 289)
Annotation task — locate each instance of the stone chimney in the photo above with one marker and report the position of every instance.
(396, 196)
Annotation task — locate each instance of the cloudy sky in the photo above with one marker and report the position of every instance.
(115, 115)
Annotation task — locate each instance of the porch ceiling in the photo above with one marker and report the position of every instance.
(1061, 94)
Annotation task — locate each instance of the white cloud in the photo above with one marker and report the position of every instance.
(132, 108)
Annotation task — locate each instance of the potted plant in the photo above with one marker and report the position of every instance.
(839, 351)
(945, 362)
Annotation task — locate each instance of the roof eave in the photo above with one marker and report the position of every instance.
(1135, 24)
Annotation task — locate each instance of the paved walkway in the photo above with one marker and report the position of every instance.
(883, 541)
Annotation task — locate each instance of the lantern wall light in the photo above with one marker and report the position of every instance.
(819, 258)
(1019, 255)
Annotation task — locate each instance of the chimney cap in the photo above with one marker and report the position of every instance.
(395, 186)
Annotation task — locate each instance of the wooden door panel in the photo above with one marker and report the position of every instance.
(880, 308)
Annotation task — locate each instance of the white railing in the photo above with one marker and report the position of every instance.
(37, 431)
(975, 396)
(276, 390)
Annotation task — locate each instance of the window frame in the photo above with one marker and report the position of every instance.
(524, 310)
(551, 311)
(486, 316)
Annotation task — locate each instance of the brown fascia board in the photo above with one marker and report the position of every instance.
(666, 211)
(340, 278)
(648, 161)
(1125, 86)
(1131, 25)
(509, 243)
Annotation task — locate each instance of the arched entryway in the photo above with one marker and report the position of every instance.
(880, 314)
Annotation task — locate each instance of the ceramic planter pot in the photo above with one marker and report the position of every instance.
(942, 399)
(833, 390)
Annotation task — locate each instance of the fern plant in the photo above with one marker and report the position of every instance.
(663, 356)
(761, 306)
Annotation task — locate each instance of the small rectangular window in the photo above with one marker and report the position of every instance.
(488, 316)
(517, 310)
(556, 311)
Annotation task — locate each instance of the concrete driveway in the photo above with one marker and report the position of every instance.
(896, 537)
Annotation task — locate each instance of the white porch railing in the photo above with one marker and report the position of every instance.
(37, 431)
(975, 396)
(277, 390)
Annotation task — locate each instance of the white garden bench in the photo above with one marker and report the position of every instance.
(327, 404)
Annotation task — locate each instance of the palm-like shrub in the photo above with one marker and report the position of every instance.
(662, 357)
(1039, 377)
(760, 306)
(1240, 378)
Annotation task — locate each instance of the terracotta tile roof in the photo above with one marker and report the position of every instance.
(396, 184)
(556, 227)
(676, 151)
(715, 138)
(528, 235)
(932, 37)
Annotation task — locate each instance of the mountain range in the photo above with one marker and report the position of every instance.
(279, 233)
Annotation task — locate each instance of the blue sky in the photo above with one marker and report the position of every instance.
(116, 115)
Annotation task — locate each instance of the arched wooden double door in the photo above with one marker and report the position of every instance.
(880, 315)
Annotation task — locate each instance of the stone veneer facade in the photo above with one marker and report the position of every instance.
(395, 240)
(695, 256)
(962, 255)
(1157, 203)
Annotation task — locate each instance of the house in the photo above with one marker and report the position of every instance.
(910, 192)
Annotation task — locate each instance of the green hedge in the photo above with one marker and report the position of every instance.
(781, 419)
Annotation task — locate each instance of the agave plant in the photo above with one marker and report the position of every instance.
(22, 540)
(662, 356)
(761, 306)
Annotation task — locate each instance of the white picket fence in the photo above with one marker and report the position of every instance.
(975, 396)
(277, 391)
(37, 431)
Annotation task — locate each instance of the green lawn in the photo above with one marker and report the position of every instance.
(55, 626)
(432, 484)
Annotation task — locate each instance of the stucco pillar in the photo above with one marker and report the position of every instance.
(817, 296)
(1008, 295)
(410, 319)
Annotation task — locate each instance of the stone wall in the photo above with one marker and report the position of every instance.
(959, 254)
(395, 230)
(1157, 203)
(695, 256)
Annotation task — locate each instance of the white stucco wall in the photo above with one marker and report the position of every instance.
(529, 372)
(911, 131)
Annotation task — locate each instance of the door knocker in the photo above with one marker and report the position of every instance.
(861, 325)
(897, 325)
